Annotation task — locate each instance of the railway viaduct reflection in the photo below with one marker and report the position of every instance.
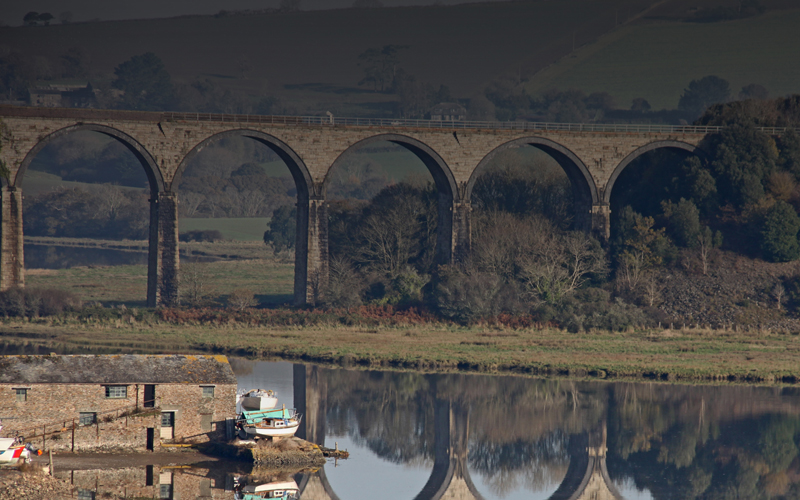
(586, 478)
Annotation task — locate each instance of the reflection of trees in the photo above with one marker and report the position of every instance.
(519, 428)
(538, 464)
(710, 443)
(389, 413)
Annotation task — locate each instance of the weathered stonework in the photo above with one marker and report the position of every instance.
(164, 143)
(151, 482)
(51, 406)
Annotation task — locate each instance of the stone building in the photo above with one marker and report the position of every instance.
(116, 402)
(449, 111)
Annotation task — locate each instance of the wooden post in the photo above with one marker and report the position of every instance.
(51, 462)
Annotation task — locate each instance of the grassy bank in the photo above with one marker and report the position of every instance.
(675, 355)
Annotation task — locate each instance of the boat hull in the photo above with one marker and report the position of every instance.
(286, 431)
(259, 402)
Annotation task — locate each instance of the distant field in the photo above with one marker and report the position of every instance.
(36, 182)
(272, 281)
(240, 229)
(657, 61)
(310, 59)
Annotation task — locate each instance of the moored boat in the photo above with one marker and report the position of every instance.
(285, 490)
(258, 399)
(270, 423)
(14, 452)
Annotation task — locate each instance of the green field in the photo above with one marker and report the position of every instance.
(238, 229)
(657, 61)
(272, 281)
(310, 59)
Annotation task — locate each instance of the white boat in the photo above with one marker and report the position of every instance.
(14, 452)
(286, 490)
(269, 423)
(279, 489)
(257, 399)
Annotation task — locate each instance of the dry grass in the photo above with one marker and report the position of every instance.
(690, 355)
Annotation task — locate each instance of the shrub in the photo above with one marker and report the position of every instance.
(34, 302)
(779, 233)
(205, 235)
(467, 296)
(344, 285)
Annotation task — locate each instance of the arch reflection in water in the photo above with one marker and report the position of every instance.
(619, 440)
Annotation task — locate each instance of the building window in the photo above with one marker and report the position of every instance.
(87, 418)
(168, 419)
(22, 395)
(165, 491)
(208, 391)
(116, 391)
(85, 494)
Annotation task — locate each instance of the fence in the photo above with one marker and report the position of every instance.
(33, 433)
(453, 124)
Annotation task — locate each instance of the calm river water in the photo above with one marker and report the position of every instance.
(426, 436)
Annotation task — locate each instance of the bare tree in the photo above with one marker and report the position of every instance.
(112, 199)
(195, 287)
(779, 293)
(190, 203)
(561, 265)
(241, 299)
(652, 288)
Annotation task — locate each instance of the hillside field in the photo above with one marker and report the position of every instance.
(310, 59)
(657, 61)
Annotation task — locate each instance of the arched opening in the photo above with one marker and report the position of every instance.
(241, 238)
(390, 220)
(88, 207)
(531, 200)
(660, 201)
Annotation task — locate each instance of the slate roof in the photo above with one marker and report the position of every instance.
(116, 369)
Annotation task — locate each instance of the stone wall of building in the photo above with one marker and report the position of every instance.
(50, 408)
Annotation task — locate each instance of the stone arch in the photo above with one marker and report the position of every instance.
(154, 174)
(442, 177)
(583, 185)
(306, 190)
(298, 169)
(669, 144)
(162, 261)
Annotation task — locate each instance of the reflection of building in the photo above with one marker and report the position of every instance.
(108, 402)
(195, 483)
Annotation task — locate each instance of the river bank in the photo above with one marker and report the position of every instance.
(687, 355)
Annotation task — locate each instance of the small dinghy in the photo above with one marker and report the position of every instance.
(257, 399)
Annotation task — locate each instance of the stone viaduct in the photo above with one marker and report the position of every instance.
(456, 153)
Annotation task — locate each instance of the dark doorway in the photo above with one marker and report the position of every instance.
(149, 396)
(150, 438)
(148, 471)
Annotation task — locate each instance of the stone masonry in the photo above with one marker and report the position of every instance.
(108, 403)
(165, 142)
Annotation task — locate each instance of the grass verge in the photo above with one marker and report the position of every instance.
(673, 355)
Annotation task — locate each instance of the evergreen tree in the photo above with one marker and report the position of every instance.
(779, 233)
